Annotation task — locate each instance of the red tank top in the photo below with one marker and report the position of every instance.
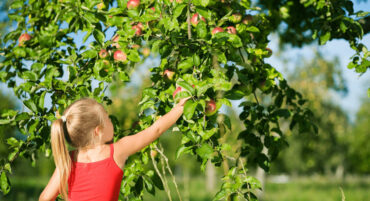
(100, 180)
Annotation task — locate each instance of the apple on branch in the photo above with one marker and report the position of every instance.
(103, 53)
(235, 18)
(137, 28)
(168, 74)
(269, 52)
(248, 19)
(146, 52)
(231, 30)
(217, 30)
(133, 4)
(195, 19)
(23, 38)
(210, 107)
(180, 89)
(119, 56)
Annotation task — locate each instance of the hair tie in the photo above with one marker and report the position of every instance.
(66, 135)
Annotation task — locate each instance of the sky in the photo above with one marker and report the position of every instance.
(357, 86)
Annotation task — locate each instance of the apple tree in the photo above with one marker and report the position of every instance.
(211, 50)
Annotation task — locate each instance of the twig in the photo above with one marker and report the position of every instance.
(160, 176)
(169, 170)
(165, 179)
(189, 25)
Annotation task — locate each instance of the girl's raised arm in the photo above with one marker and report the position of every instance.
(131, 144)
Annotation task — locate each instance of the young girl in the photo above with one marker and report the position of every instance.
(95, 169)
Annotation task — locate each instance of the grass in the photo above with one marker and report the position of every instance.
(296, 189)
(318, 189)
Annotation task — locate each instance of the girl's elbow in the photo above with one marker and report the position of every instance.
(44, 197)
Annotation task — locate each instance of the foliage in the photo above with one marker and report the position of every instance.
(359, 155)
(317, 80)
(222, 67)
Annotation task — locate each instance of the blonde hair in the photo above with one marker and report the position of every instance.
(82, 117)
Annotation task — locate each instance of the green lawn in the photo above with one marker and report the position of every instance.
(298, 189)
(319, 189)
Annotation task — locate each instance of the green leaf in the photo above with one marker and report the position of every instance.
(186, 86)
(208, 133)
(205, 151)
(89, 54)
(156, 45)
(99, 36)
(4, 121)
(5, 185)
(324, 38)
(235, 40)
(281, 113)
(182, 149)
(178, 10)
(185, 64)
(133, 56)
(189, 108)
(29, 75)
(19, 52)
(42, 99)
(204, 3)
(252, 29)
(31, 105)
(123, 76)
(22, 116)
(196, 60)
(202, 29)
(16, 4)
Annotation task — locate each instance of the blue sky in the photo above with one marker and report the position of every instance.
(357, 86)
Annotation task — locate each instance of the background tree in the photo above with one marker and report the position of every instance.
(318, 79)
(221, 54)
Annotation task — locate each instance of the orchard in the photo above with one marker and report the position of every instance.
(211, 50)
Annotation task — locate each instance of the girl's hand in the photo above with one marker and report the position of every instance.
(182, 101)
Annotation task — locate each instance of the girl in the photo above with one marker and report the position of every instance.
(95, 169)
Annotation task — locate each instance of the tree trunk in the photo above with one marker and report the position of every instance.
(210, 176)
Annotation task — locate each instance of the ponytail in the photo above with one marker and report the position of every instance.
(61, 156)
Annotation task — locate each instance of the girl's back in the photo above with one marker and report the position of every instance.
(98, 180)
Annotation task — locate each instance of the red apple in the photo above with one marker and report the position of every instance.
(137, 29)
(169, 74)
(153, 9)
(248, 19)
(115, 40)
(178, 89)
(135, 46)
(270, 52)
(195, 19)
(103, 53)
(133, 4)
(106, 62)
(217, 30)
(23, 38)
(153, 153)
(101, 6)
(146, 52)
(210, 107)
(231, 30)
(251, 35)
(119, 56)
(236, 17)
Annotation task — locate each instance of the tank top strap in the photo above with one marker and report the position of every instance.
(111, 150)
